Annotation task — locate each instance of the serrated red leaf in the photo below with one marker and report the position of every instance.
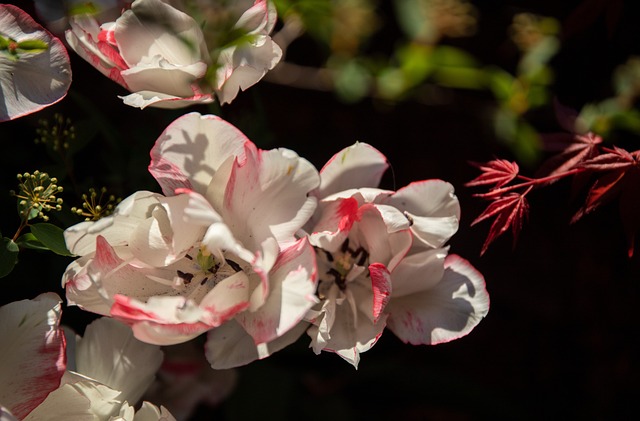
(510, 211)
(618, 163)
(616, 158)
(497, 171)
(574, 149)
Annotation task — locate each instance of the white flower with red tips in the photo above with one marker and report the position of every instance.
(160, 53)
(219, 246)
(382, 260)
(34, 65)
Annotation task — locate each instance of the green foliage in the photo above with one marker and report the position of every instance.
(8, 256)
(52, 237)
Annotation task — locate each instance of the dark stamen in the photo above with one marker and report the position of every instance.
(345, 246)
(234, 265)
(186, 277)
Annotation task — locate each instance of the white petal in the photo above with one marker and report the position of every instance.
(150, 412)
(351, 336)
(163, 77)
(433, 208)
(33, 80)
(143, 99)
(382, 246)
(65, 403)
(448, 311)
(292, 293)
(116, 228)
(267, 197)
(6, 415)
(357, 166)
(418, 272)
(155, 28)
(190, 150)
(241, 67)
(109, 354)
(33, 358)
(231, 346)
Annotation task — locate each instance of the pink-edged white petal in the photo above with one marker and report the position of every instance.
(356, 166)
(30, 80)
(84, 37)
(191, 149)
(433, 209)
(447, 311)
(92, 282)
(267, 197)
(242, 65)
(108, 353)
(32, 352)
(240, 68)
(231, 346)
(293, 281)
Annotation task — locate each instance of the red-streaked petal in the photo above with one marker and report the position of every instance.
(33, 352)
(381, 287)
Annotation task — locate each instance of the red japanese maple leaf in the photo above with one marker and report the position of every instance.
(573, 150)
(510, 211)
(497, 171)
(621, 179)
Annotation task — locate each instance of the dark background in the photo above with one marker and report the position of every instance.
(560, 340)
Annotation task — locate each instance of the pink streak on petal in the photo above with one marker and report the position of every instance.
(167, 174)
(106, 257)
(348, 212)
(124, 309)
(216, 317)
(381, 287)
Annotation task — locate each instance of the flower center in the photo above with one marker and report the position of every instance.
(344, 265)
(206, 267)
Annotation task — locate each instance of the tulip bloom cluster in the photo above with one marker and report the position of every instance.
(257, 247)
(167, 59)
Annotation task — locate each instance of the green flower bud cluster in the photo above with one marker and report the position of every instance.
(56, 134)
(37, 195)
(95, 207)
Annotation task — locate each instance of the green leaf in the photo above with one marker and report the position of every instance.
(4, 43)
(501, 83)
(8, 256)
(33, 44)
(51, 237)
(452, 57)
(29, 241)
